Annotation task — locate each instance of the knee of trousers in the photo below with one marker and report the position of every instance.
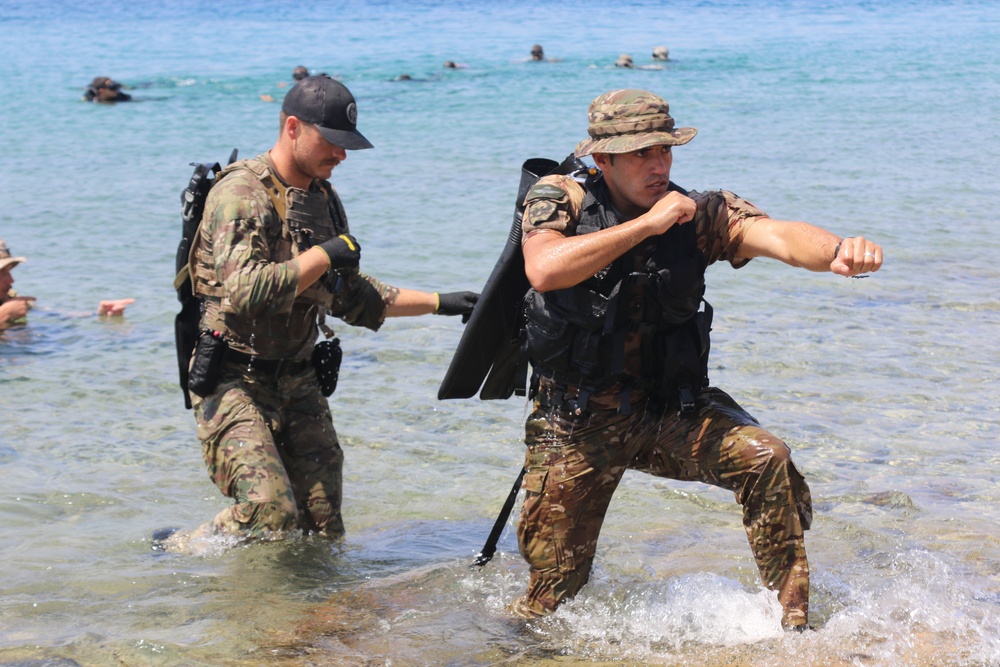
(773, 480)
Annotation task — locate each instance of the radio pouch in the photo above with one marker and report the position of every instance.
(326, 359)
(206, 364)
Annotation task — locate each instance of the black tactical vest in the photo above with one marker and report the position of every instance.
(576, 336)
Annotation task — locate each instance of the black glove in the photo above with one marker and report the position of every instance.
(457, 303)
(344, 251)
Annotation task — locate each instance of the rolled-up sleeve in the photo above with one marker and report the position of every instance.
(552, 203)
(721, 218)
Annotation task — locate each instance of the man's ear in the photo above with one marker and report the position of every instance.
(293, 126)
(601, 160)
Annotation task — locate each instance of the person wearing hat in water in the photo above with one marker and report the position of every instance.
(14, 309)
(661, 53)
(617, 332)
(104, 89)
(272, 258)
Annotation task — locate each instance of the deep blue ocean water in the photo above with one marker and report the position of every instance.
(866, 118)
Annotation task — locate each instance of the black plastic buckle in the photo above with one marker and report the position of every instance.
(685, 396)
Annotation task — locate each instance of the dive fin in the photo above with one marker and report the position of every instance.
(490, 347)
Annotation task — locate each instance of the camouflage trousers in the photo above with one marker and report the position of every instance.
(270, 445)
(574, 464)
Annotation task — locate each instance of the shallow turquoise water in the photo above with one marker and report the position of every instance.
(865, 118)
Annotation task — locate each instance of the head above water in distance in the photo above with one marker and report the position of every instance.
(330, 106)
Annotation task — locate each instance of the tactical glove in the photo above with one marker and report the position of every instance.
(456, 303)
(344, 251)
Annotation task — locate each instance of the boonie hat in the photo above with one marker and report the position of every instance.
(627, 120)
(6, 261)
(329, 105)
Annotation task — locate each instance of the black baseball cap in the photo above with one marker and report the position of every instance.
(329, 105)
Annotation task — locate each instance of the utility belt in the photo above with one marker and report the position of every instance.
(212, 353)
(579, 400)
(622, 396)
(273, 368)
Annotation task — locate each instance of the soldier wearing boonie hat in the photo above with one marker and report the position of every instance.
(617, 333)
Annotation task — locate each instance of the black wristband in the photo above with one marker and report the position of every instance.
(836, 251)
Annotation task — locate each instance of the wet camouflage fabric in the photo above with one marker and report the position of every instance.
(721, 217)
(575, 463)
(269, 442)
(270, 445)
(242, 265)
(627, 120)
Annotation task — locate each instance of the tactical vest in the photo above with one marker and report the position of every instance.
(307, 218)
(577, 336)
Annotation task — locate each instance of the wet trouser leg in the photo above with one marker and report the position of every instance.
(574, 466)
(314, 463)
(724, 446)
(242, 457)
(273, 449)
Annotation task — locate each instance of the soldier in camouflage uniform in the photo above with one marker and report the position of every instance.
(274, 256)
(617, 333)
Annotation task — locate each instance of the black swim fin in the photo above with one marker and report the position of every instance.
(490, 348)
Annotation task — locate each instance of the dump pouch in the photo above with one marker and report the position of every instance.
(326, 358)
(206, 365)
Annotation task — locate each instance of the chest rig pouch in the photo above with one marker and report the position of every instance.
(577, 336)
(307, 217)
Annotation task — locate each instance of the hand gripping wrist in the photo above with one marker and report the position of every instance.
(344, 251)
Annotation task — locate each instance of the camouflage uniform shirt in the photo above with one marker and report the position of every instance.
(251, 259)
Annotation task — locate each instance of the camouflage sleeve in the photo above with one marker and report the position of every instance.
(721, 220)
(552, 203)
(362, 300)
(240, 222)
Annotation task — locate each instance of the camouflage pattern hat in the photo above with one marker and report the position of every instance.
(6, 261)
(623, 121)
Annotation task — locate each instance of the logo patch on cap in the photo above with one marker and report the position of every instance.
(352, 113)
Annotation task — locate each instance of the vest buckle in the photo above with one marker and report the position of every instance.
(686, 399)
